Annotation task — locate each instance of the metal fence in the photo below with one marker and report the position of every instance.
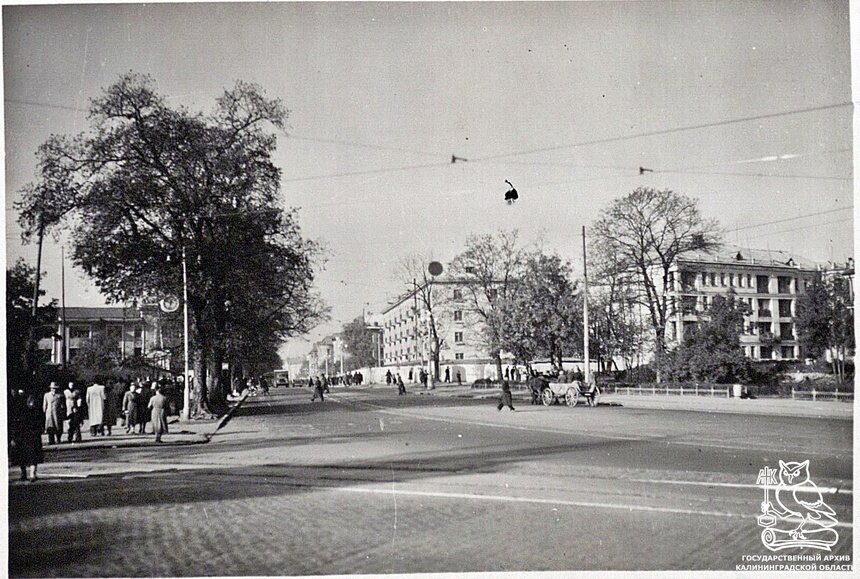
(723, 392)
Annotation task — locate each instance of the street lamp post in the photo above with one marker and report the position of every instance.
(587, 372)
(186, 394)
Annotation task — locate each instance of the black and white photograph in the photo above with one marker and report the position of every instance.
(461, 289)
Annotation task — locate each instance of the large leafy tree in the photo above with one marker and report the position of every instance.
(151, 188)
(361, 345)
(825, 320)
(543, 317)
(712, 352)
(488, 268)
(642, 234)
(20, 285)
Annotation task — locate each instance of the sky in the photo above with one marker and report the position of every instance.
(564, 100)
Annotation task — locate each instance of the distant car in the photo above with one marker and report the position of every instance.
(281, 382)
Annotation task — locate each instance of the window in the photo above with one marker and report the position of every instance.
(723, 279)
(458, 337)
(458, 355)
(704, 278)
(741, 280)
(688, 281)
(749, 280)
(731, 280)
(764, 308)
(766, 352)
(761, 284)
(138, 351)
(787, 352)
(458, 294)
(763, 328)
(458, 316)
(784, 308)
(783, 284)
(713, 279)
(79, 332)
(786, 331)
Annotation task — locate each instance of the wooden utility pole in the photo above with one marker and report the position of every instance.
(587, 372)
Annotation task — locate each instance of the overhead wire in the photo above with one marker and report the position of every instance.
(842, 220)
(753, 226)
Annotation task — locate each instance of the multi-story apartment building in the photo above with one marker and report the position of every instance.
(405, 329)
(769, 282)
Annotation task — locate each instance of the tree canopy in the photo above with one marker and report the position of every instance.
(825, 320)
(150, 188)
(712, 351)
(20, 283)
(641, 235)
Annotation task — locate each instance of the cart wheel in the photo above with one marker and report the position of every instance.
(571, 397)
(547, 396)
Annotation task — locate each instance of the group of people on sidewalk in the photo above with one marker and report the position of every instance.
(57, 412)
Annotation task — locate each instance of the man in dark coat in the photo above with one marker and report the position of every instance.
(401, 387)
(25, 435)
(447, 375)
(318, 391)
(74, 412)
(388, 377)
(506, 399)
(459, 379)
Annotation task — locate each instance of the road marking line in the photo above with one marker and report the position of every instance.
(540, 501)
(827, 490)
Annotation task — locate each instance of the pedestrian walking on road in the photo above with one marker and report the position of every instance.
(410, 374)
(141, 400)
(54, 407)
(96, 406)
(447, 375)
(25, 435)
(158, 405)
(401, 387)
(74, 412)
(388, 377)
(318, 391)
(459, 379)
(506, 399)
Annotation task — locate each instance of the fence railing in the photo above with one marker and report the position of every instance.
(722, 392)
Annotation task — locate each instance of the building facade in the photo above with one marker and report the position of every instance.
(769, 282)
(131, 331)
(406, 334)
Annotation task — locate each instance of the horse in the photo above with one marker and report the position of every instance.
(537, 384)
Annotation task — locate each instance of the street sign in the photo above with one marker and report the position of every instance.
(169, 304)
(435, 268)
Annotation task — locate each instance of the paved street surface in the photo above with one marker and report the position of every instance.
(369, 482)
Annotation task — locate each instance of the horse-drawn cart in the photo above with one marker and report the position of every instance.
(570, 393)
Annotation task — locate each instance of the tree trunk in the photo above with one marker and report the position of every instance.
(217, 392)
(200, 404)
(498, 358)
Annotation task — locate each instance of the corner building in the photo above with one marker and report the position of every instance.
(768, 281)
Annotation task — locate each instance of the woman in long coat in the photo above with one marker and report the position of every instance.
(158, 405)
(54, 407)
(25, 436)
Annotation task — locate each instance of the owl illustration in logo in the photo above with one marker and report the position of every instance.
(797, 498)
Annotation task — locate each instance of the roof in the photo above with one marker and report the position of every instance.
(109, 313)
(730, 254)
